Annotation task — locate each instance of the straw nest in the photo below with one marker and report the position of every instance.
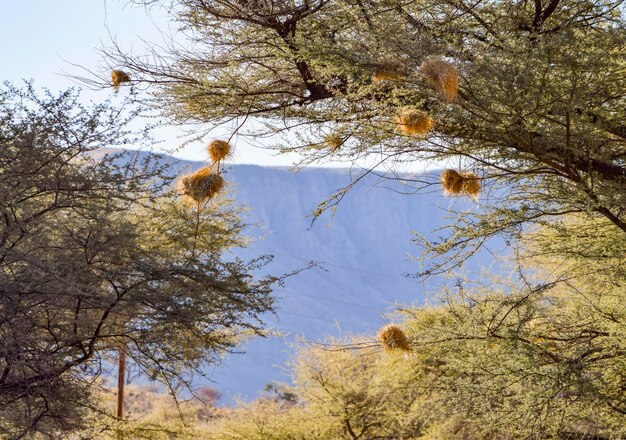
(333, 141)
(392, 338)
(471, 185)
(386, 75)
(413, 121)
(455, 184)
(441, 76)
(118, 77)
(219, 150)
(201, 185)
(451, 182)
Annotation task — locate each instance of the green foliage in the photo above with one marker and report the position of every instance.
(268, 419)
(540, 116)
(97, 256)
(152, 414)
(543, 363)
(540, 112)
(540, 357)
(358, 400)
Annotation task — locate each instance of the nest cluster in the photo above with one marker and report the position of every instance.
(205, 183)
(441, 76)
(457, 184)
(392, 338)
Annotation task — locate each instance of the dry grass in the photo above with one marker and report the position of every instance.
(219, 150)
(201, 185)
(118, 77)
(413, 121)
(451, 182)
(441, 76)
(393, 338)
(333, 141)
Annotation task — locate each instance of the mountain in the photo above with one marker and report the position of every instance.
(363, 250)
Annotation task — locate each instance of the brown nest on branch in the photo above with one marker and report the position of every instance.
(118, 77)
(456, 184)
(201, 185)
(392, 338)
(451, 182)
(441, 76)
(412, 121)
(219, 150)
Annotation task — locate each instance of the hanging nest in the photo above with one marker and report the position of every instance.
(386, 75)
(333, 141)
(201, 185)
(451, 182)
(441, 76)
(219, 150)
(413, 121)
(392, 338)
(118, 77)
(471, 185)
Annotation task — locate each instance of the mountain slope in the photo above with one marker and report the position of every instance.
(364, 253)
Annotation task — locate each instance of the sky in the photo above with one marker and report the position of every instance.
(41, 39)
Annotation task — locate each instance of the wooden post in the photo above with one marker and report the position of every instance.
(121, 379)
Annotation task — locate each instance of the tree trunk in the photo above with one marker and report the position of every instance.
(121, 378)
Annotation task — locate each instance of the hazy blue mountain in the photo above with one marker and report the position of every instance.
(364, 252)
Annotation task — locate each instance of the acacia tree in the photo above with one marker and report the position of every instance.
(97, 257)
(540, 107)
(550, 367)
(495, 359)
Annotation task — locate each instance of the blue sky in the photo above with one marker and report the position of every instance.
(42, 37)
(39, 35)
